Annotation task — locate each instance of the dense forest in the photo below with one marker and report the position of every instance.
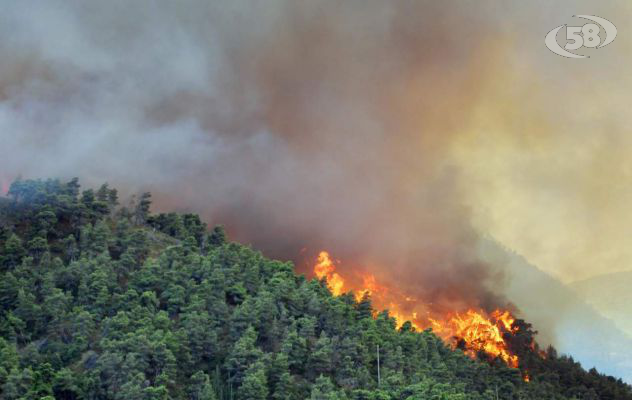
(101, 301)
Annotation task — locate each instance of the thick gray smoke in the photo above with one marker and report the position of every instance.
(336, 125)
(319, 125)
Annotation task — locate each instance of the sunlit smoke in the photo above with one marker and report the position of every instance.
(395, 134)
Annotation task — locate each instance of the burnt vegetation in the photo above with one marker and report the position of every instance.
(99, 301)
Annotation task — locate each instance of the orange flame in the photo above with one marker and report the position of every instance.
(324, 268)
(473, 331)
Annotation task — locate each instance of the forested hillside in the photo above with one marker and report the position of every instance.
(99, 301)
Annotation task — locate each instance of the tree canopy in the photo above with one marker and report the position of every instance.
(99, 301)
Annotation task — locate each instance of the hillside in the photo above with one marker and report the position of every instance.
(611, 294)
(569, 321)
(104, 302)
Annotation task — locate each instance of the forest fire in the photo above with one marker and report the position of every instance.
(324, 269)
(473, 331)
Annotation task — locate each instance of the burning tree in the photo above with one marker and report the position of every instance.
(478, 333)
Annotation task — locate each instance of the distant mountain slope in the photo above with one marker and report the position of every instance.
(562, 317)
(611, 295)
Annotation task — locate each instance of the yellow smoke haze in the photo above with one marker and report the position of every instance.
(398, 135)
(546, 154)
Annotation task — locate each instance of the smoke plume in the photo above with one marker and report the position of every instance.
(317, 125)
(393, 134)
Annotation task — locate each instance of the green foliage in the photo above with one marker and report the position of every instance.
(255, 384)
(100, 302)
(12, 252)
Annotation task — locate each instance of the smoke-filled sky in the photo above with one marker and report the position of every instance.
(391, 133)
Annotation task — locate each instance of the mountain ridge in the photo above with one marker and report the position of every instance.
(611, 294)
(562, 317)
(105, 302)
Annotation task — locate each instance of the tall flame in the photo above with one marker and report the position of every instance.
(325, 268)
(473, 331)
